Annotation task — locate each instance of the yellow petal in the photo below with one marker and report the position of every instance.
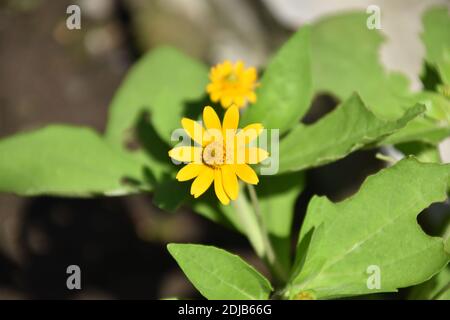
(211, 119)
(218, 187)
(230, 182)
(239, 101)
(231, 119)
(189, 171)
(194, 130)
(255, 155)
(249, 133)
(246, 173)
(202, 182)
(226, 101)
(186, 154)
(215, 96)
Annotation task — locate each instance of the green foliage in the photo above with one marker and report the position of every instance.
(337, 241)
(377, 226)
(285, 91)
(277, 196)
(346, 59)
(351, 126)
(357, 57)
(161, 88)
(436, 38)
(218, 274)
(437, 288)
(67, 161)
(163, 83)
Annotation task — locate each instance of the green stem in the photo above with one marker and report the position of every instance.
(250, 224)
(255, 229)
(441, 292)
(270, 255)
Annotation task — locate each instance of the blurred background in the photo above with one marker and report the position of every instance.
(50, 74)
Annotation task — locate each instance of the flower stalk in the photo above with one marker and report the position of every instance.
(256, 231)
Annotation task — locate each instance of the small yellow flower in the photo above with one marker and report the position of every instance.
(221, 154)
(232, 84)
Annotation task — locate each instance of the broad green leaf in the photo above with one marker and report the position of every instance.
(209, 207)
(63, 160)
(285, 91)
(421, 129)
(345, 59)
(343, 45)
(437, 288)
(218, 274)
(165, 83)
(430, 128)
(436, 38)
(277, 196)
(161, 88)
(351, 126)
(376, 227)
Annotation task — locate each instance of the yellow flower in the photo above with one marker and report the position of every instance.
(221, 154)
(232, 84)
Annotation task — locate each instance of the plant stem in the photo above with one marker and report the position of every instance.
(270, 255)
(441, 292)
(250, 224)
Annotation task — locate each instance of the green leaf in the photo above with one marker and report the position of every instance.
(161, 88)
(335, 54)
(63, 160)
(285, 91)
(421, 151)
(277, 196)
(420, 130)
(351, 126)
(165, 83)
(218, 274)
(170, 194)
(435, 36)
(431, 128)
(209, 207)
(375, 227)
(346, 59)
(437, 288)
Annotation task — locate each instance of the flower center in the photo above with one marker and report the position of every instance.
(214, 154)
(232, 77)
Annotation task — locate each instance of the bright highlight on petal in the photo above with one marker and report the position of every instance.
(186, 154)
(232, 84)
(194, 130)
(255, 155)
(249, 133)
(223, 155)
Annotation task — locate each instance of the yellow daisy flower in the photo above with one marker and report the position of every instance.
(232, 84)
(221, 154)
